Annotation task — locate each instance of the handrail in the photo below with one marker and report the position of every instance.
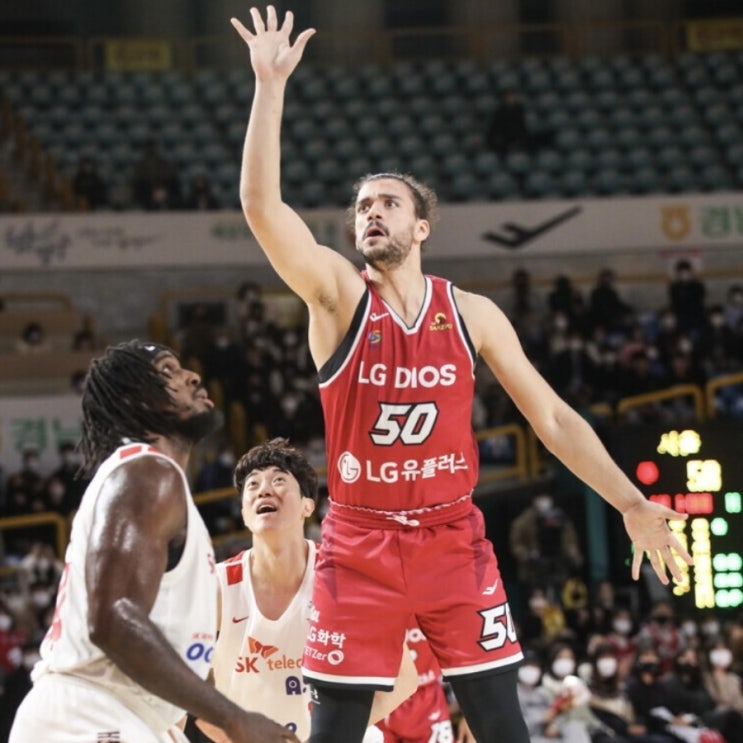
(56, 520)
(679, 390)
(713, 385)
(520, 467)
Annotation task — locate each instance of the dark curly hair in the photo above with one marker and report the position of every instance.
(278, 453)
(124, 397)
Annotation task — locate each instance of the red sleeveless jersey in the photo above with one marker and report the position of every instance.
(397, 402)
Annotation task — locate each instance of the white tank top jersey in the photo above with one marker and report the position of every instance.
(258, 661)
(185, 609)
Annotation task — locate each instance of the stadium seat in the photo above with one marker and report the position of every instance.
(574, 182)
(502, 185)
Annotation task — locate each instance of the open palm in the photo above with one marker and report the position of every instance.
(272, 54)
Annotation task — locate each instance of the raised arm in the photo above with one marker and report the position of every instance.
(324, 279)
(141, 511)
(570, 438)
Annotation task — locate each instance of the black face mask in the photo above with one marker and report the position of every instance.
(688, 672)
(663, 620)
(648, 667)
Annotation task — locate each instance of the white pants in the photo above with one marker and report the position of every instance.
(60, 709)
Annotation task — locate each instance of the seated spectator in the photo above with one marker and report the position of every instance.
(661, 629)
(544, 721)
(620, 639)
(723, 685)
(88, 184)
(200, 196)
(569, 696)
(610, 703)
(33, 339)
(689, 700)
(156, 185)
(65, 486)
(646, 692)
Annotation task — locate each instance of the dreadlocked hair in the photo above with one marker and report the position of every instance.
(278, 453)
(124, 397)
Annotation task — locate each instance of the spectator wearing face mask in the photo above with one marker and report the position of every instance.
(544, 722)
(662, 631)
(723, 685)
(16, 684)
(67, 474)
(568, 695)
(647, 694)
(689, 699)
(620, 639)
(544, 541)
(687, 294)
(215, 474)
(610, 703)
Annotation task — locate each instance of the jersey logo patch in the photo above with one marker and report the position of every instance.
(255, 647)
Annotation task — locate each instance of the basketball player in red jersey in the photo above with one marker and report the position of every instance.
(395, 350)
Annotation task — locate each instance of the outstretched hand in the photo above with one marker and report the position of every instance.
(647, 526)
(272, 54)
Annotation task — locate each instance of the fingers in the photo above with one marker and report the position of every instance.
(288, 24)
(658, 565)
(255, 14)
(636, 564)
(303, 38)
(680, 550)
(246, 35)
(272, 22)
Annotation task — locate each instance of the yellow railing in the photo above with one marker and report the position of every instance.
(60, 523)
(661, 396)
(519, 469)
(715, 385)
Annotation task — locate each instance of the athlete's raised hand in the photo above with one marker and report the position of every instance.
(647, 526)
(272, 54)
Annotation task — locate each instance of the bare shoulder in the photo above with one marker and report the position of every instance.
(145, 490)
(479, 313)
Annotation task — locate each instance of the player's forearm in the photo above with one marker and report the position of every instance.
(141, 651)
(260, 177)
(572, 440)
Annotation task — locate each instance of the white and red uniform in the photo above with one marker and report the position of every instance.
(79, 693)
(402, 537)
(258, 661)
(424, 717)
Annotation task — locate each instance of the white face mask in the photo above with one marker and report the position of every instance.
(711, 628)
(6, 621)
(606, 667)
(720, 657)
(622, 626)
(689, 629)
(563, 667)
(529, 675)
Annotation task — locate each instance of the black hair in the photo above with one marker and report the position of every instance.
(124, 397)
(278, 453)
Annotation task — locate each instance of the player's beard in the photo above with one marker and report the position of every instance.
(199, 425)
(389, 253)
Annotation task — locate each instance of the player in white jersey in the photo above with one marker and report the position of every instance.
(266, 596)
(128, 649)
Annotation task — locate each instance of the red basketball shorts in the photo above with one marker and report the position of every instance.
(422, 718)
(374, 573)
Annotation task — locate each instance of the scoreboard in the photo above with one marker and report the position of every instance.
(695, 469)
